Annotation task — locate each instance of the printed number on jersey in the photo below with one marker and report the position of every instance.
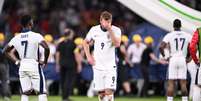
(179, 43)
(25, 44)
(102, 45)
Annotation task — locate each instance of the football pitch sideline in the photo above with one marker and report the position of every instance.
(84, 98)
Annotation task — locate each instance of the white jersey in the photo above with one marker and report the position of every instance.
(104, 50)
(136, 52)
(27, 46)
(178, 41)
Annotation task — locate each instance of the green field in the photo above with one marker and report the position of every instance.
(81, 98)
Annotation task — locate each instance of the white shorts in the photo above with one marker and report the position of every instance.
(32, 80)
(104, 79)
(177, 68)
(198, 77)
(192, 69)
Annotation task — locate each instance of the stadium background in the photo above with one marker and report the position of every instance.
(52, 16)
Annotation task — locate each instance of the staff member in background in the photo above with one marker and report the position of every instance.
(123, 65)
(4, 72)
(66, 63)
(79, 53)
(135, 53)
(147, 56)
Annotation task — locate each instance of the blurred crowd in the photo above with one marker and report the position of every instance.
(52, 17)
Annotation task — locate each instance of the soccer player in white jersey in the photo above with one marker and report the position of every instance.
(177, 42)
(30, 71)
(106, 38)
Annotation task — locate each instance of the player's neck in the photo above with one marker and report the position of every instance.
(26, 29)
(103, 29)
(177, 29)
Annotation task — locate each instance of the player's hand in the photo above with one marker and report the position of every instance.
(198, 64)
(17, 63)
(42, 63)
(91, 60)
(163, 62)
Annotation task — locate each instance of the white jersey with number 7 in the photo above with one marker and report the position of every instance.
(27, 46)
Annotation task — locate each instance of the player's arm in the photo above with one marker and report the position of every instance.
(47, 50)
(57, 61)
(193, 47)
(154, 58)
(87, 52)
(116, 41)
(9, 53)
(163, 45)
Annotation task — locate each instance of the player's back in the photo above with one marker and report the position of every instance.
(178, 41)
(27, 46)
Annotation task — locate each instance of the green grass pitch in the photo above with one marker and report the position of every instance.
(83, 98)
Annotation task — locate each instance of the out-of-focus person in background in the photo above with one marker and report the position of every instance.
(135, 51)
(50, 70)
(123, 66)
(79, 53)
(147, 56)
(192, 69)
(4, 72)
(194, 49)
(66, 63)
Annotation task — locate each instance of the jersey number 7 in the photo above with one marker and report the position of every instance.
(25, 43)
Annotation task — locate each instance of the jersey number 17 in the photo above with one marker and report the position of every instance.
(179, 40)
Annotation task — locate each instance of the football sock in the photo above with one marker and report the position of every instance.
(169, 98)
(24, 98)
(42, 97)
(184, 98)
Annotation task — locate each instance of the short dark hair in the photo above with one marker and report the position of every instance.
(177, 23)
(25, 20)
(106, 15)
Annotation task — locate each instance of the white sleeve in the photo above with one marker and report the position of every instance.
(40, 38)
(166, 39)
(12, 42)
(118, 33)
(89, 36)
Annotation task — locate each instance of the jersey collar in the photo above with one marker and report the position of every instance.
(25, 30)
(103, 29)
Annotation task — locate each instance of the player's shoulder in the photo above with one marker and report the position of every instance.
(35, 34)
(170, 34)
(96, 27)
(115, 27)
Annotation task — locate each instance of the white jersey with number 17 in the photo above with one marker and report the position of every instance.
(27, 46)
(104, 50)
(178, 43)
